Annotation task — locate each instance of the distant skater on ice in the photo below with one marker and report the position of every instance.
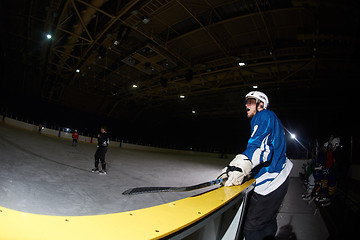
(103, 143)
(75, 137)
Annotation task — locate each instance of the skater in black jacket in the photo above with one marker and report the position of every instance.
(103, 143)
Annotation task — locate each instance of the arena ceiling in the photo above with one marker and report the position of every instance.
(173, 57)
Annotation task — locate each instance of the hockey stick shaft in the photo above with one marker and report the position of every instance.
(140, 190)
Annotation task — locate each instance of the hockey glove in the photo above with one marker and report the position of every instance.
(238, 168)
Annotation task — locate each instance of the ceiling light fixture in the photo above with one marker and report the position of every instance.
(135, 12)
(134, 86)
(182, 96)
(146, 20)
(48, 36)
(241, 64)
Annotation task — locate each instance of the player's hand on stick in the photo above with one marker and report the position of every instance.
(238, 168)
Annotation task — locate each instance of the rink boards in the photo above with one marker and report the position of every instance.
(148, 223)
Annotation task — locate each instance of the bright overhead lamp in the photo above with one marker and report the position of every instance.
(293, 136)
(241, 64)
(48, 36)
(134, 86)
(77, 70)
(255, 86)
(193, 111)
(182, 96)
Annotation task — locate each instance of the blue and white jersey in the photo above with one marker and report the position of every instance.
(266, 149)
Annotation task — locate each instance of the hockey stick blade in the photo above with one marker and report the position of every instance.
(140, 190)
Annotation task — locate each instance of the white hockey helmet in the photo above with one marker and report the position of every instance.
(259, 96)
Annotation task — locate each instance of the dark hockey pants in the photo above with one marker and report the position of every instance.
(260, 219)
(100, 155)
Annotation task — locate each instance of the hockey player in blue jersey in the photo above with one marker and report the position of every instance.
(266, 160)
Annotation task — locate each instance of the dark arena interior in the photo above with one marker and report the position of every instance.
(173, 74)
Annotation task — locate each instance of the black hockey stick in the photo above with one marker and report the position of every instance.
(140, 190)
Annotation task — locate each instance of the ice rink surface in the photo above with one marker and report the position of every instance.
(46, 175)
